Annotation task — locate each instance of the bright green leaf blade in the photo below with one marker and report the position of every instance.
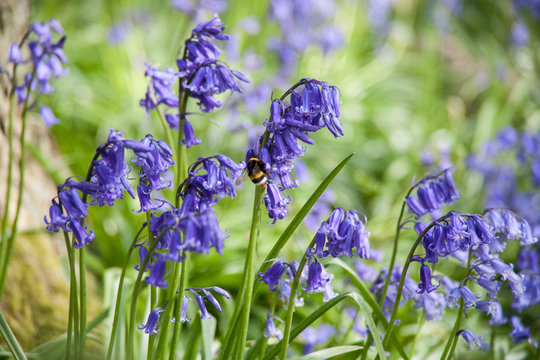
(372, 327)
(306, 322)
(370, 300)
(293, 225)
(11, 341)
(193, 340)
(326, 353)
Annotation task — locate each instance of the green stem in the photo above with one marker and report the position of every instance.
(119, 293)
(135, 294)
(292, 300)
(3, 247)
(181, 168)
(164, 124)
(73, 293)
(82, 295)
(8, 246)
(178, 307)
(249, 269)
(73, 309)
(151, 339)
(402, 279)
(166, 315)
(453, 340)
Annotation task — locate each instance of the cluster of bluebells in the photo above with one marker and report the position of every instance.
(106, 183)
(194, 226)
(45, 58)
(314, 105)
(202, 297)
(510, 166)
(201, 76)
(336, 237)
(432, 192)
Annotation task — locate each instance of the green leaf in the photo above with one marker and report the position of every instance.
(333, 351)
(11, 341)
(306, 322)
(370, 300)
(372, 327)
(193, 340)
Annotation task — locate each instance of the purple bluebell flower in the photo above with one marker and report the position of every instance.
(425, 280)
(270, 329)
(491, 286)
(493, 309)
(48, 116)
(343, 232)
(15, 54)
(432, 303)
(465, 293)
(317, 277)
(157, 272)
(203, 190)
(473, 340)
(189, 135)
(273, 275)
(520, 332)
(207, 294)
(183, 315)
(432, 193)
(150, 327)
(275, 203)
(57, 219)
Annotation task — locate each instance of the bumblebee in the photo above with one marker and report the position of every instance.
(256, 171)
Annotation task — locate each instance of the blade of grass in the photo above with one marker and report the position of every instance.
(329, 352)
(372, 327)
(370, 300)
(10, 339)
(306, 322)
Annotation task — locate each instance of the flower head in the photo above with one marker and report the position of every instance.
(150, 327)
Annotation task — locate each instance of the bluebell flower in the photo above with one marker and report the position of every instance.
(520, 332)
(48, 116)
(473, 340)
(150, 327)
(432, 303)
(157, 272)
(189, 135)
(15, 54)
(425, 280)
(317, 277)
(493, 309)
(492, 286)
(206, 294)
(270, 329)
(520, 34)
(273, 275)
(57, 219)
(205, 189)
(202, 232)
(432, 193)
(465, 293)
(275, 203)
(343, 232)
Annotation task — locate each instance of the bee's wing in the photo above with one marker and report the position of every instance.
(240, 180)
